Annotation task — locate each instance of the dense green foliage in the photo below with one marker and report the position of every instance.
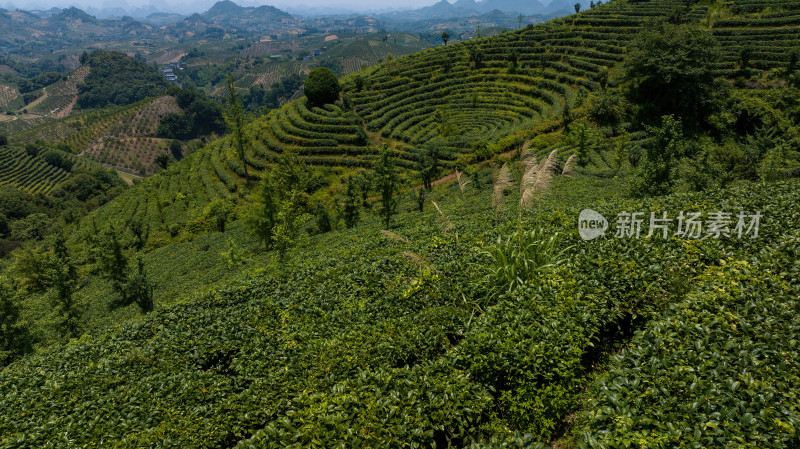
(400, 347)
(201, 116)
(288, 315)
(116, 79)
(672, 68)
(321, 86)
(273, 97)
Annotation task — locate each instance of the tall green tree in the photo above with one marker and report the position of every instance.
(352, 203)
(428, 164)
(387, 179)
(130, 287)
(234, 116)
(670, 68)
(321, 86)
(285, 204)
(445, 37)
(15, 340)
(63, 277)
(139, 290)
(662, 151)
(113, 262)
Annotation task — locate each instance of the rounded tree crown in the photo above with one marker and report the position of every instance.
(321, 86)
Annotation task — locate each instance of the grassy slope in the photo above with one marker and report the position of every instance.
(223, 367)
(361, 322)
(485, 103)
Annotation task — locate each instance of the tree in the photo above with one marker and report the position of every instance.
(235, 119)
(15, 340)
(218, 211)
(32, 227)
(476, 57)
(577, 8)
(583, 136)
(175, 126)
(670, 68)
(386, 175)
(139, 290)
(419, 197)
(162, 161)
(428, 164)
(662, 151)
(63, 277)
(352, 203)
(608, 107)
(445, 37)
(57, 159)
(745, 55)
(285, 205)
(324, 219)
(129, 288)
(3, 140)
(321, 86)
(113, 263)
(176, 149)
(140, 232)
(520, 18)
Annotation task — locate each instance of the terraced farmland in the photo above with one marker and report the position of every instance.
(59, 98)
(503, 89)
(7, 95)
(31, 174)
(768, 29)
(124, 136)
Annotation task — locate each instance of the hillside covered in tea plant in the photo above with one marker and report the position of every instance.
(394, 260)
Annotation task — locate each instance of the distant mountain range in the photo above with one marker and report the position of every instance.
(27, 31)
(168, 12)
(466, 8)
(21, 31)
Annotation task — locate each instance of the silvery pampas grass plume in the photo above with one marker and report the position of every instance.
(392, 236)
(538, 181)
(462, 183)
(526, 157)
(447, 225)
(569, 166)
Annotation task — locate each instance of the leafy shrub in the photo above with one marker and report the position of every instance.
(519, 259)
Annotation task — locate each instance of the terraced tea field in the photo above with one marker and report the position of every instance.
(30, 174)
(769, 29)
(506, 89)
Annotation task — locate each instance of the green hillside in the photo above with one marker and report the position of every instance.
(441, 96)
(401, 267)
(368, 340)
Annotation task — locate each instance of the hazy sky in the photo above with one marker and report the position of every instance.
(184, 7)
